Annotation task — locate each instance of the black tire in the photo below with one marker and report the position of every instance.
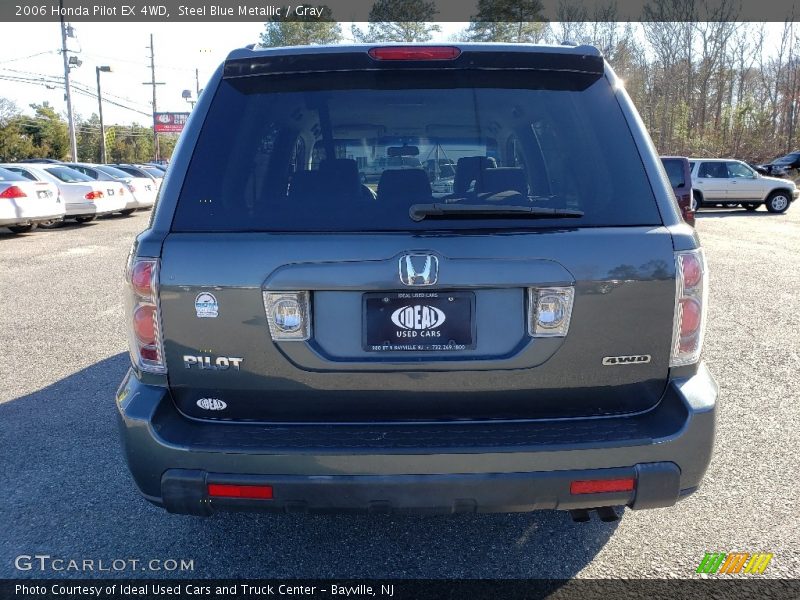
(698, 201)
(85, 219)
(127, 212)
(778, 201)
(750, 206)
(21, 228)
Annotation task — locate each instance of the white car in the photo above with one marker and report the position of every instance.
(154, 174)
(84, 199)
(729, 182)
(142, 191)
(25, 203)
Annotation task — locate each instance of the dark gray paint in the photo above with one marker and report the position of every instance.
(624, 285)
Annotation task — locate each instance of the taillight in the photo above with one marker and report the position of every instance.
(691, 304)
(143, 315)
(549, 311)
(415, 53)
(13, 191)
(94, 195)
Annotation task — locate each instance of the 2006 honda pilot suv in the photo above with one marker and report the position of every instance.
(528, 337)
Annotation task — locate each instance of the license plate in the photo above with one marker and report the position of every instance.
(419, 321)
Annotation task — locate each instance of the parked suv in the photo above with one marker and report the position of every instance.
(531, 340)
(727, 182)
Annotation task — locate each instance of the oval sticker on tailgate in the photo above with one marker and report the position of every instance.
(211, 404)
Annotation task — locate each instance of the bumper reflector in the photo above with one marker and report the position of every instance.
(261, 492)
(597, 486)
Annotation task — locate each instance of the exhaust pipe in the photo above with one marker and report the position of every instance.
(607, 514)
(580, 515)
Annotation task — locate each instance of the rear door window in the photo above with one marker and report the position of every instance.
(675, 172)
(354, 152)
(713, 170)
(67, 174)
(15, 174)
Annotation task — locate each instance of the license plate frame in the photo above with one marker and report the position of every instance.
(417, 327)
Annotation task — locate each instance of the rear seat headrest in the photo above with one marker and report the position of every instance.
(404, 184)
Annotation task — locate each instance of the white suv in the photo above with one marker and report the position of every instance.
(727, 182)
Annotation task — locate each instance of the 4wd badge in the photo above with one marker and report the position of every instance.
(637, 359)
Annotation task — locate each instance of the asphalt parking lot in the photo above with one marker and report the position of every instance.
(67, 492)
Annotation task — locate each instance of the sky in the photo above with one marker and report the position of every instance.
(180, 49)
(31, 51)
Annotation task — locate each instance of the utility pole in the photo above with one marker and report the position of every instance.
(154, 83)
(197, 82)
(73, 143)
(98, 70)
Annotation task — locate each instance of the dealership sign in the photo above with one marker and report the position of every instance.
(169, 122)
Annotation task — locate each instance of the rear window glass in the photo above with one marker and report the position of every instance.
(354, 152)
(6, 175)
(67, 175)
(113, 171)
(674, 169)
(153, 171)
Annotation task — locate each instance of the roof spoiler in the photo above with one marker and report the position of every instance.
(246, 63)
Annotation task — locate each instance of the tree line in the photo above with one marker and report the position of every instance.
(46, 135)
(719, 88)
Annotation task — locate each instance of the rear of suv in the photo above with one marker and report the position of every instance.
(528, 339)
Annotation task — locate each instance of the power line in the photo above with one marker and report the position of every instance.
(2, 62)
(60, 80)
(83, 92)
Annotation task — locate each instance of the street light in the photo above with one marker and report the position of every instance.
(187, 95)
(98, 70)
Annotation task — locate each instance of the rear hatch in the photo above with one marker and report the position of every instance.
(540, 284)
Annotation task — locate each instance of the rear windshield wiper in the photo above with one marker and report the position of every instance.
(418, 212)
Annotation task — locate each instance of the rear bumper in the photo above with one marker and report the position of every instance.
(503, 467)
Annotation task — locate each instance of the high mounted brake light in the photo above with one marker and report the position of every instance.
(143, 314)
(415, 53)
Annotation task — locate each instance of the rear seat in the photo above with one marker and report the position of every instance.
(502, 183)
(337, 179)
(398, 185)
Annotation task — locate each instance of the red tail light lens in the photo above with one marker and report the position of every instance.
(143, 314)
(144, 324)
(141, 278)
(415, 53)
(260, 492)
(600, 486)
(93, 195)
(13, 192)
(690, 307)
